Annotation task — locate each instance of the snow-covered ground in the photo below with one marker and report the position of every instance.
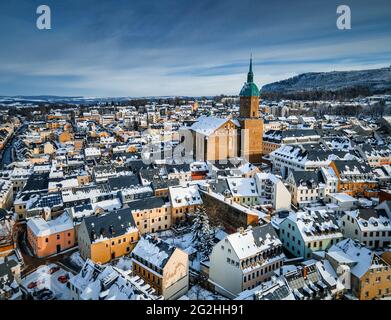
(198, 293)
(77, 259)
(183, 241)
(43, 279)
(125, 263)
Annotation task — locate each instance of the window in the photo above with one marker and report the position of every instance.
(47, 240)
(58, 237)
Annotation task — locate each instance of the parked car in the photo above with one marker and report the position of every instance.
(63, 278)
(53, 270)
(43, 294)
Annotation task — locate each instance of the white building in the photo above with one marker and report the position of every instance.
(311, 186)
(372, 227)
(247, 258)
(308, 157)
(272, 191)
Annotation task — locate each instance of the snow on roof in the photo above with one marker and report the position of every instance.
(63, 184)
(316, 224)
(154, 250)
(242, 187)
(41, 227)
(107, 205)
(184, 196)
(267, 176)
(207, 125)
(253, 241)
(327, 272)
(95, 282)
(342, 197)
(92, 151)
(361, 258)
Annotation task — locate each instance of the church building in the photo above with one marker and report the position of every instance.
(216, 139)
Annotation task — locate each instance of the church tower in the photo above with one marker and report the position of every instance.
(250, 121)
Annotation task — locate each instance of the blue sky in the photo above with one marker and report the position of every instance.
(182, 47)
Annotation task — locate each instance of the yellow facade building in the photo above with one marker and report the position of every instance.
(109, 236)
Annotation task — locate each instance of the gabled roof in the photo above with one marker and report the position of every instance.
(352, 167)
(109, 225)
(123, 182)
(361, 258)
(148, 203)
(307, 178)
(208, 125)
(154, 250)
(253, 241)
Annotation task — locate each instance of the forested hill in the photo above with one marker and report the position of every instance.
(331, 85)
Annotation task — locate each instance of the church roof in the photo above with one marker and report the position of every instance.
(208, 125)
(249, 90)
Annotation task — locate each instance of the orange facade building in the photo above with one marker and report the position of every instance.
(51, 237)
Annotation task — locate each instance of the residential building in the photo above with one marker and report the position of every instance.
(163, 266)
(369, 276)
(248, 258)
(109, 236)
(305, 232)
(371, 227)
(50, 237)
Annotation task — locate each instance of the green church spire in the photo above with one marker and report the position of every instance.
(250, 75)
(250, 89)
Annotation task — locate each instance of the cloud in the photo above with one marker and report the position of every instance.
(167, 47)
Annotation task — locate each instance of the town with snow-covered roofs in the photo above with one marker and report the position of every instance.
(152, 199)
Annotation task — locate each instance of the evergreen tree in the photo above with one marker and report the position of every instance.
(202, 233)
